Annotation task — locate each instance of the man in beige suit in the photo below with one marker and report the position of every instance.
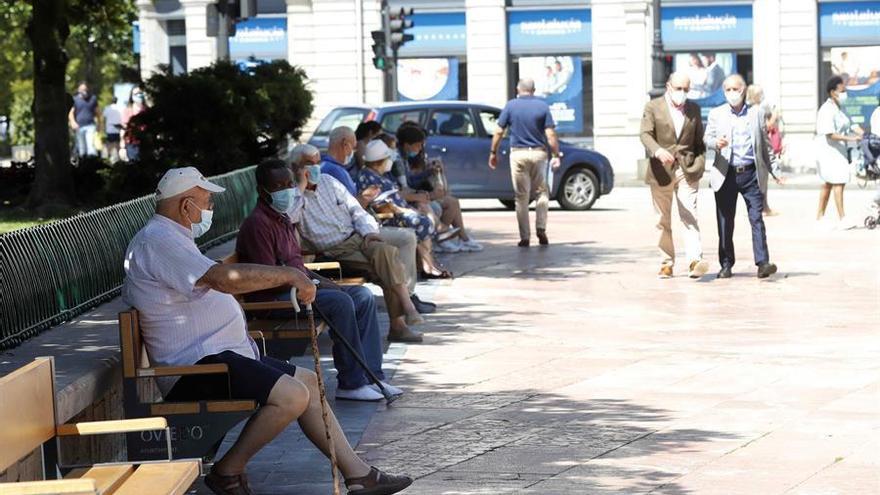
(672, 133)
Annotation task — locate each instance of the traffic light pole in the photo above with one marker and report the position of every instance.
(395, 95)
(658, 68)
(223, 30)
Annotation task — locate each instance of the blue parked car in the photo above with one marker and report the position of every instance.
(460, 133)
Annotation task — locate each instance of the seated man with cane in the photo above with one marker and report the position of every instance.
(188, 316)
(267, 237)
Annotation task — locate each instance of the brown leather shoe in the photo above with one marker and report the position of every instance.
(377, 483)
(406, 335)
(665, 271)
(523, 243)
(237, 484)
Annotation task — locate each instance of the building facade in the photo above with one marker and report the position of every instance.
(590, 59)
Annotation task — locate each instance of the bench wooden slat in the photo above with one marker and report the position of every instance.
(173, 478)
(230, 405)
(196, 369)
(169, 408)
(323, 265)
(107, 478)
(53, 487)
(114, 426)
(265, 305)
(27, 396)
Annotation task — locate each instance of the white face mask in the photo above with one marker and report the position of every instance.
(386, 166)
(678, 97)
(841, 97)
(733, 97)
(200, 228)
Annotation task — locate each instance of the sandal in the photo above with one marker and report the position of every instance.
(236, 484)
(442, 274)
(377, 483)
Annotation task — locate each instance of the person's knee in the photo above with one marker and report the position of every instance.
(363, 297)
(291, 396)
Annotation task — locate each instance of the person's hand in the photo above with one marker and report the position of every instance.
(721, 142)
(74, 126)
(305, 289)
(369, 238)
(555, 162)
(370, 193)
(780, 180)
(493, 161)
(664, 156)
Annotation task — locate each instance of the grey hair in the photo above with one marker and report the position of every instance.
(338, 135)
(733, 78)
(301, 151)
(526, 85)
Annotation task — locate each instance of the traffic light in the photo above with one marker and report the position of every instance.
(380, 57)
(397, 24)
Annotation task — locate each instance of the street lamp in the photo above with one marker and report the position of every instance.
(658, 67)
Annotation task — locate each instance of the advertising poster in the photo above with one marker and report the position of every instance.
(427, 79)
(261, 39)
(709, 27)
(860, 69)
(559, 80)
(707, 71)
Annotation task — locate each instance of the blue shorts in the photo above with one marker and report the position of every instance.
(248, 379)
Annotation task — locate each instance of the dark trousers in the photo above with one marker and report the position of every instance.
(745, 183)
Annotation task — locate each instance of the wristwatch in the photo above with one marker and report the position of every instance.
(559, 155)
(492, 153)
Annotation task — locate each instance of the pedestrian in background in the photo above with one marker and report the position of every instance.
(672, 133)
(755, 98)
(82, 117)
(738, 133)
(532, 131)
(136, 104)
(112, 124)
(833, 131)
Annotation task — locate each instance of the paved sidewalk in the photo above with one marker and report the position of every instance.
(574, 370)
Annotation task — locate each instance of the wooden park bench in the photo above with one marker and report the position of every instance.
(196, 428)
(27, 412)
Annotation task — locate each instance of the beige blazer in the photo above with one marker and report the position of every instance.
(658, 131)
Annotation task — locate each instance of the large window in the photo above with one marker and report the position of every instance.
(391, 121)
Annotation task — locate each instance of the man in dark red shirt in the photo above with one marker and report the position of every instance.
(268, 237)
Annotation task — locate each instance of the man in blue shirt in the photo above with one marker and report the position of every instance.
(531, 131)
(340, 151)
(82, 120)
(738, 133)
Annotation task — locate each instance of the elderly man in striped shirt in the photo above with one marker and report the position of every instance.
(334, 223)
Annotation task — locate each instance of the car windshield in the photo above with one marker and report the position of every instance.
(392, 120)
(349, 117)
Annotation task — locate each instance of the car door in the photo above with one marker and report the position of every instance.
(453, 136)
(497, 183)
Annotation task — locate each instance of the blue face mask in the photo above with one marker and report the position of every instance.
(281, 200)
(412, 154)
(200, 228)
(314, 174)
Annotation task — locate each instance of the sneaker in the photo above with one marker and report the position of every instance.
(391, 389)
(845, 224)
(471, 246)
(362, 393)
(447, 234)
(450, 246)
(698, 268)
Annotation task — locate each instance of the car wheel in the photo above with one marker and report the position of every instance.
(508, 203)
(578, 190)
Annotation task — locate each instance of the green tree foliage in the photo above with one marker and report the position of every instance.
(216, 118)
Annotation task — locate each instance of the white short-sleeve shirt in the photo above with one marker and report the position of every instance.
(180, 323)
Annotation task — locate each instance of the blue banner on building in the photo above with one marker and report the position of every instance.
(261, 39)
(860, 103)
(549, 31)
(849, 23)
(440, 34)
(559, 80)
(427, 79)
(703, 27)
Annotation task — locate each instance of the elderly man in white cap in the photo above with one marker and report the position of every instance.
(188, 315)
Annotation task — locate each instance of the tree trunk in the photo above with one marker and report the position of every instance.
(48, 30)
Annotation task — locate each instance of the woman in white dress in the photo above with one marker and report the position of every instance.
(832, 134)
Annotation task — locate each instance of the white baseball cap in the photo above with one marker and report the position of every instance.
(376, 150)
(178, 180)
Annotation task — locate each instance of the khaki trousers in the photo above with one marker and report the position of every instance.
(404, 239)
(378, 258)
(685, 194)
(528, 170)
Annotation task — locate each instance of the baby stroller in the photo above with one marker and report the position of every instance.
(869, 163)
(872, 220)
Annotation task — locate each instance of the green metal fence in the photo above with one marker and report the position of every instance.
(52, 272)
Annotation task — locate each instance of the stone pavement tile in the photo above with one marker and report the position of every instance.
(865, 400)
(606, 480)
(456, 483)
(532, 460)
(401, 421)
(855, 473)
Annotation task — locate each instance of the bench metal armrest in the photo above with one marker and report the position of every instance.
(196, 369)
(256, 334)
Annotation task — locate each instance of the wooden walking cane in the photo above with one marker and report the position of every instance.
(325, 415)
